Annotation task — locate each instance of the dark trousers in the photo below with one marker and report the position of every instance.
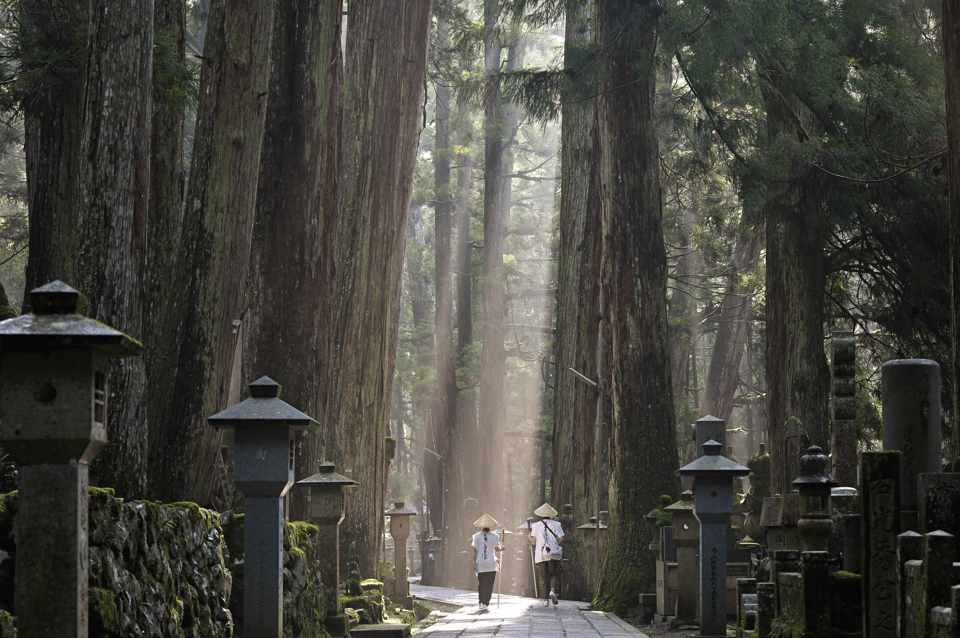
(548, 577)
(485, 586)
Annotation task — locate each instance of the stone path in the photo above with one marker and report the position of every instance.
(515, 617)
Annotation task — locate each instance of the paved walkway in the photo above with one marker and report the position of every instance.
(516, 617)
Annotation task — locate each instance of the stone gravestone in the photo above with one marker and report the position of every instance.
(880, 526)
(938, 497)
(911, 424)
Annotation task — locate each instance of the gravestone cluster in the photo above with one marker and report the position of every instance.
(875, 557)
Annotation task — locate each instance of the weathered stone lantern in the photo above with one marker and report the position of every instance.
(592, 544)
(713, 476)
(400, 531)
(686, 536)
(263, 461)
(326, 509)
(53, 422)
(815, 483)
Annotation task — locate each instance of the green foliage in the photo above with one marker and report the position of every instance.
(178, 78)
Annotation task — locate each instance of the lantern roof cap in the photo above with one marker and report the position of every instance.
(592, 524)
(327, 476)
(712, 462)
(400, 509)
(684, 504)
(58, 321)
(814, 469)
(263, 409)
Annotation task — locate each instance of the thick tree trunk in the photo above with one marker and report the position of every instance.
(493, 356)
(215, 250)
(951, 63)
(382, 103)
(53, 125)
(643, 448)
(460, 465)
(288, 329)
(167, 177)
(114, 192)
(730, 342)
(574, 477)
(797, 374)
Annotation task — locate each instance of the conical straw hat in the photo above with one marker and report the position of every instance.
(545, 511)
(486, 521)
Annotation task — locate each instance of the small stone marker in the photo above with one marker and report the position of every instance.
(712, 505)
(686, 536)
(264, 473)
(53, 421)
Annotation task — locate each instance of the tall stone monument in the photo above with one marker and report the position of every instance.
(53, 421)
(911, 425)
(880, 526)
(713, 476)
(844, 408)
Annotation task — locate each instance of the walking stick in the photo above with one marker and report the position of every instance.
(533, 568)
(500, 564)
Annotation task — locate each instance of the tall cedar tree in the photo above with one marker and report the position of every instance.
(440, 427)
(493, 356)
(214, 252)
(113, 196)
(52, 102)
(290, 283)
(382, 101)
(574, 478)
(643, 445)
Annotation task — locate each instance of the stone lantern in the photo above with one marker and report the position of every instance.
(815, 483)
(594, 540)
(53, 422)
(325, 508)
(263, 461)
(400, 531)
(713, 476)
(686, 536)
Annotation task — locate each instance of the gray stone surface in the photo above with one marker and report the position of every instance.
(880, 525)
(911, 420)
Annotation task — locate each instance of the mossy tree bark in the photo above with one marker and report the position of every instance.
(382, 98)
(112, 219)
(574, 476)
(194, 364)
(288, 328)
(643, 446)
(53, 125)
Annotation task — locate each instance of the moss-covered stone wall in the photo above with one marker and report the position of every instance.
(172, 571)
